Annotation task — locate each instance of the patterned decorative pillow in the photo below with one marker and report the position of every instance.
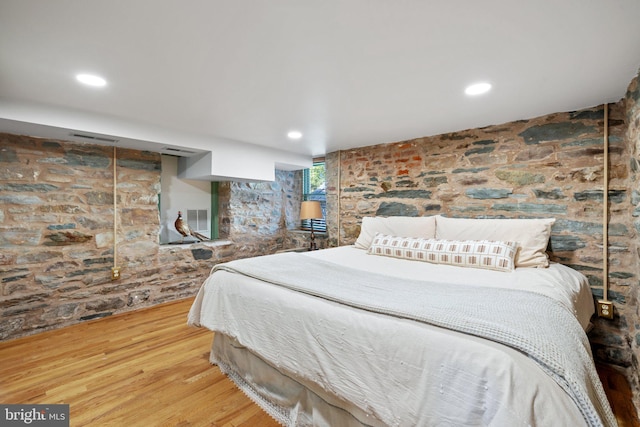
(487, 254)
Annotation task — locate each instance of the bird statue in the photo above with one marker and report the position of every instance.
(184, 229)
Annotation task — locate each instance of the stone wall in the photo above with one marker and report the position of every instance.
(633, 140)
(256, 216)
(56, 233)
(550, 166)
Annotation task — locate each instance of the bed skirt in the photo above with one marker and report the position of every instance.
(286, 400)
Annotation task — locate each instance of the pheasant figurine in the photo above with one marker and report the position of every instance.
(184, 229)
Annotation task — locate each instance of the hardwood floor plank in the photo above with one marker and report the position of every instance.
(619, 394)
(148, 368)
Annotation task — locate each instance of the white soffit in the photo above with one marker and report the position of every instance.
(229, 160)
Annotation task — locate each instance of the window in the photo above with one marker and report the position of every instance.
(314, 188)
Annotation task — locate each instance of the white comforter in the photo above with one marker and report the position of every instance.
(559, 282)
(391, 371)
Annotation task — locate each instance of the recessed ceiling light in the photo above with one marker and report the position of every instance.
(477, 89)
(294, 134)
(91, 80)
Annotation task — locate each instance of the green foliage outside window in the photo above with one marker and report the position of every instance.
(317, 177)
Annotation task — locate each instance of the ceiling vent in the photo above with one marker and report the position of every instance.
(94, 137)
(178, 150)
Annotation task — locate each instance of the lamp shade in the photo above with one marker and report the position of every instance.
(310, 210)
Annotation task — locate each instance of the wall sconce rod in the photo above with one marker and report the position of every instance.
(605, 208)
(604, 306)
(115, 270)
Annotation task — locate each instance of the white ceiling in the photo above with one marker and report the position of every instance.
(346, 73)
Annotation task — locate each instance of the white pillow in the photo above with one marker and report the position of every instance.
(486, 254)
(404, 226)
(532, 235)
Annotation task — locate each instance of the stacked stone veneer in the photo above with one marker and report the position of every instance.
(56, 233)
(632, 118)
(550, 166)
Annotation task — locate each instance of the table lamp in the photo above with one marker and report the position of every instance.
(311, 210)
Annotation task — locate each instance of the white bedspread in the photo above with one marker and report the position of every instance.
(564, 284)
(397, 371)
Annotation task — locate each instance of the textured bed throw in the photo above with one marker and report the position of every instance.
(554, 340)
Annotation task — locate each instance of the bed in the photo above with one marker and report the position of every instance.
(410, 336)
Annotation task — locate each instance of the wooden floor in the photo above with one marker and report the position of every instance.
(148, 368)
(619, 394)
